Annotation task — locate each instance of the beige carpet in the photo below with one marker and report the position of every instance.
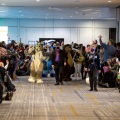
(71, 101)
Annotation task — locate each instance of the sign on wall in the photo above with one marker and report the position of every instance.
(47, 41)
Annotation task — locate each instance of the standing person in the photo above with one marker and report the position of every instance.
(78, 59)
(86, 52)
(109, 49)
(58, 62)
(92, 65)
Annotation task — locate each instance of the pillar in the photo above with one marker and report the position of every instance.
(118, 24)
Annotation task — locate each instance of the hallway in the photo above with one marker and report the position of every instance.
(71, 101)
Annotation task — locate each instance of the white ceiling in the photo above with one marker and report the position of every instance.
(59, 9)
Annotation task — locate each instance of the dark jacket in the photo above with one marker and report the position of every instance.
(95, 59)
(62, 58)
(2, 72)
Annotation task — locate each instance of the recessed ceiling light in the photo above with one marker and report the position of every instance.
(20, 11)
(110, 18)
(98, 10)
(49, 8)
(38, 0)
(109, 1)
(71, 16)
(100, 15)
(88, 10)
(3, 4)
(76, 12)
(94, 13)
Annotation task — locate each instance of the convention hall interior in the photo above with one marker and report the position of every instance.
(59, 59)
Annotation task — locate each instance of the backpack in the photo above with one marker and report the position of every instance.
(78, 58)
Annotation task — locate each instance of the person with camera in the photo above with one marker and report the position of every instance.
(92, 66)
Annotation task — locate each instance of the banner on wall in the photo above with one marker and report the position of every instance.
(50, 41)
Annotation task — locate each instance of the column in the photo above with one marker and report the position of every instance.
(118, 24)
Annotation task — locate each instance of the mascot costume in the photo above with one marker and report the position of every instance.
(68, 53)
(36, 66)
(47, 64)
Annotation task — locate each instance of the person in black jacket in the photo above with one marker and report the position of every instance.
(58, 62)
(92, 65)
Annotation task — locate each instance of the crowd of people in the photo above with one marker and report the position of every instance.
(71, 61)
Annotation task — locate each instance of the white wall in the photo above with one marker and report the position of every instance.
(79, 31)
(4, 33)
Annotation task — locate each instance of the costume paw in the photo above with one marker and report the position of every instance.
(31, 80)
(39, 81)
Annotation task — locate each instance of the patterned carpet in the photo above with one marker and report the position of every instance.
(71, 101)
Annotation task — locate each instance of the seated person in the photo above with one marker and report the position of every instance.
(5, 82)
(114, 67)
(1, 92)
(105, 67)
(118, 74)
(24, 67)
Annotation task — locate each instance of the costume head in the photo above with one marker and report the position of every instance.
(38, 47)
(57, 45)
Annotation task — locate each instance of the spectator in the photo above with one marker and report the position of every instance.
(58, 63)
(109, 49)
(92, 65)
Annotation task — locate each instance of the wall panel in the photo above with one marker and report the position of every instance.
(48, 33)
(62, 33)
(23, 35)
(8, 22)
(33, 34)
(74, 35)
(13, 33)
(103, 32)
(105, 24)
(32, 22)
(85, 36)
(80, 31)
